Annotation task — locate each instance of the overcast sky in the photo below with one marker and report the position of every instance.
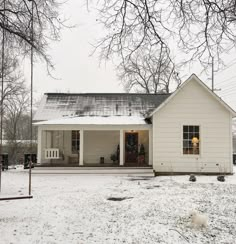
(79, 72)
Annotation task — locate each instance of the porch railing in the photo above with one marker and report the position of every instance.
(52, 153)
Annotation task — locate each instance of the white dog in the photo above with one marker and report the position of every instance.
(198, 220)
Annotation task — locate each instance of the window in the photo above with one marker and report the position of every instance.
(191, 138)
(75, 141)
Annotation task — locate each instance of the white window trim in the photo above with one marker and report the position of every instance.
(182, 140)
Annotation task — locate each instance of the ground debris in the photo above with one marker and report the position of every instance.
(140, 178)
(118, 198)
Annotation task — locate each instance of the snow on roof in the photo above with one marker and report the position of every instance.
(58, 105)
(96, 120)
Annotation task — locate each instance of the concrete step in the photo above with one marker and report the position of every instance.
(95, 170)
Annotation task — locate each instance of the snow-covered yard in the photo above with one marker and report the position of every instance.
(74, 209)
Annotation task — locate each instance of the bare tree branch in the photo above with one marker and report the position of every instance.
(17, 24)
(200, 28)
(149, 71)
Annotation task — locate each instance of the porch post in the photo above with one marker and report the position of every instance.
(39, 148)
(150, 156)
(81, 150)
(121, 147)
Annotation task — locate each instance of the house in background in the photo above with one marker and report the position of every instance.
(187, 131)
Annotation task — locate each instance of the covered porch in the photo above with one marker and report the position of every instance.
(95, 145)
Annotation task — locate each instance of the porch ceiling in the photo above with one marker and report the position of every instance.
(96, 120)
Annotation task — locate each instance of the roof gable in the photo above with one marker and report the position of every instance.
(194, 78)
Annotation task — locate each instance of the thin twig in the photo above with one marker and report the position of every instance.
(181, 235)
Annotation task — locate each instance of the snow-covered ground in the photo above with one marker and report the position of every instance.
(74, 209)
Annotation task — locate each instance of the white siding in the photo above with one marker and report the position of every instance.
(192, 105)
(234, 144)
(100, 144)
(104, 143)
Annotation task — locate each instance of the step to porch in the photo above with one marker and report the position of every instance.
(122, 171)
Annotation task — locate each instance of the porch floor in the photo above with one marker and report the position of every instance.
(124, 171)
(105, 165)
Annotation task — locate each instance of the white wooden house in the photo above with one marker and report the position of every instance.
(187, 131)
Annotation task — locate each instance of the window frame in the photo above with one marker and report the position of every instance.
(76, 140)
(187, 139)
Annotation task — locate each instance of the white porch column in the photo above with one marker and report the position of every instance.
(81, 150)
(150, 147)
(121, 147)
(39, 148)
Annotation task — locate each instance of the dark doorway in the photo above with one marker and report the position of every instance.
(131, 147)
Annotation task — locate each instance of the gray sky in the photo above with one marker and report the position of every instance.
(77, 71)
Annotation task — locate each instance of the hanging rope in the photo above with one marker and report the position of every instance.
(31, 92)
(2, 95)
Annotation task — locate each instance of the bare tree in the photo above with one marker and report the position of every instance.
(25, 25)
(200, 28)
(17, 124)
(130, 26)
(149, 71)
(16, 19)
(14, 113)
(13, 77)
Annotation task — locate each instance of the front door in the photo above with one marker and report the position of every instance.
(131, 147)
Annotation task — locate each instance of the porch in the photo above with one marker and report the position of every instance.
(95, 147)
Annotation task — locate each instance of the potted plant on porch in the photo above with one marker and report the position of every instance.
(141, 155)
(113, 157)
(116, 156)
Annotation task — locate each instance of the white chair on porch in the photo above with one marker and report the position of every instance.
(52, 153)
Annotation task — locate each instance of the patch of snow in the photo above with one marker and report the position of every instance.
(74, 209)
(95, 120)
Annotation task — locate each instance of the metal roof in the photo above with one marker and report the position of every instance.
(59, 105)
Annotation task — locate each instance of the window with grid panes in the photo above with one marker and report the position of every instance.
(191, 138)
(75, 141)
